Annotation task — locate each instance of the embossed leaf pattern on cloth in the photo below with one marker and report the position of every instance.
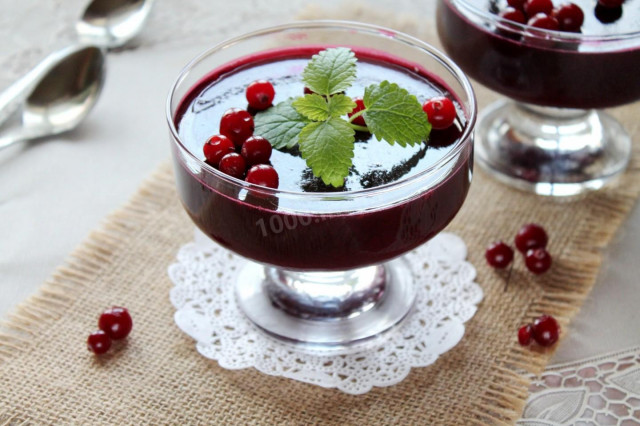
(600, 391)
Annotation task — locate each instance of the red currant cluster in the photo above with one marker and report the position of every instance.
(114, 324)
(542, 14)
(236, 151)
(531, 240)
(544, 330)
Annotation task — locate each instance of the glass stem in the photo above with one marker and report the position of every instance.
(325, 294)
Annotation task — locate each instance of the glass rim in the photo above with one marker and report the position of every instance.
(465, 138)
(549, 35)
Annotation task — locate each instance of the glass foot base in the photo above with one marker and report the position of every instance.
(327, 311)
(551, 151)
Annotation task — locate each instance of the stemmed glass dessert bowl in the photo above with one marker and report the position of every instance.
(551, 136)
(325, 269)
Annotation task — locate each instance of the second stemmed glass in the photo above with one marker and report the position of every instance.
(552, 136)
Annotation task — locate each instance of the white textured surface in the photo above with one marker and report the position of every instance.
(54, 192)
(447, 297)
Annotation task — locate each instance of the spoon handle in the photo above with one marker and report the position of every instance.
(9, 140)
(12, 97)
(22, 134)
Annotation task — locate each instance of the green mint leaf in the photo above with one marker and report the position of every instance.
(395, 115)
(327, 148)
(330, 71)
(319, 108)
(280, 125)
(314, 107)
(340, 105)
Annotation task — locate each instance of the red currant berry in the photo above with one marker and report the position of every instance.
(531, 236)
(524, 335)
(234, 165)
(533, 7)
(260, 94)
(256, 150)
(307, 91)
(545, 330)
(544, 22)
(513, 14)
(517, 4)
(98, 342)
(216, 147)
(538, 261)
(116, 322)
(610, 3)
(569, 16)
(359, 121)
(440, 111)
(607, 15)
(237, 125)
(499, 255)
(263, 174)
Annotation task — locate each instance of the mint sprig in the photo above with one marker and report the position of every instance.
(319, 108)
(330, 71)
(281, 125)
(394, 115)
(327, 147)
(316, 121)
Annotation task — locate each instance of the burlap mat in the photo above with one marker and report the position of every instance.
(157, 377)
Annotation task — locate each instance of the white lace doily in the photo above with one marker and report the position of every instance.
(447, 295)
(598, 391)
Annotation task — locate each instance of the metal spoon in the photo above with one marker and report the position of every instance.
(112, 23)
(105, 23)
(63, 89)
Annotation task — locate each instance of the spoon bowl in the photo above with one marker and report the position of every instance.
(112, 23)
(63, 96)
(66, 94)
